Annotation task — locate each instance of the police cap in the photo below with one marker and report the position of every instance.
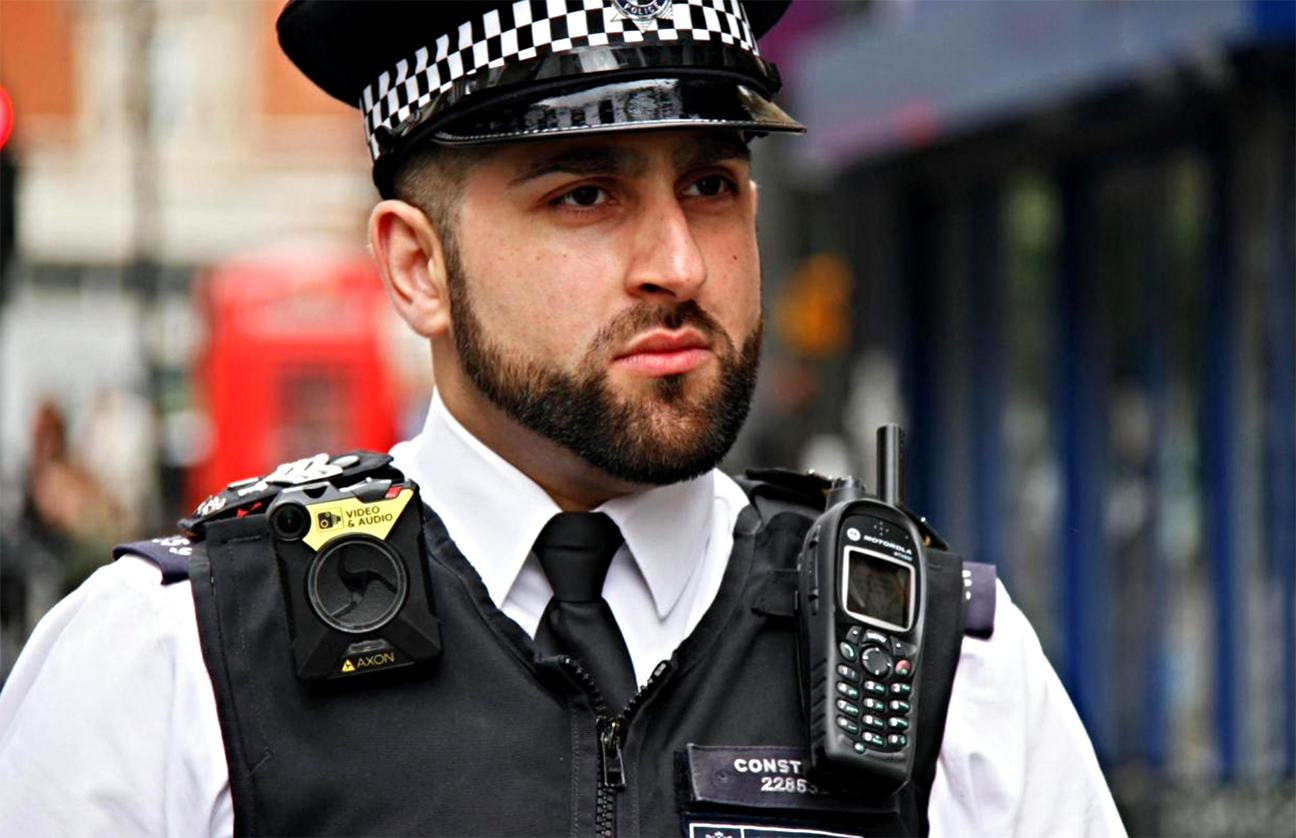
(466, 73)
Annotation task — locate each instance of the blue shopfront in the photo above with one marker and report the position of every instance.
(1084, 212)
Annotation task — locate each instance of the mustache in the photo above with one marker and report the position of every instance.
(647, 316)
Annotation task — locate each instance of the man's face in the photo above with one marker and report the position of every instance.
(605, 294)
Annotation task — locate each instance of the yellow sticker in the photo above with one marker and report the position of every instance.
(348, 667)
(352, 515)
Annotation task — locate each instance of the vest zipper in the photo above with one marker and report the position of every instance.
(611, 735)
(612, 776)
(610, 746)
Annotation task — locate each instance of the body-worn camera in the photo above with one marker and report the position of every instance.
(356, 588)
(861, 605)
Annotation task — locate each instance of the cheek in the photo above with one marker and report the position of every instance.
(536, 295)
(737, 292)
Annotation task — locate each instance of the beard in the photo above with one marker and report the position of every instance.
(661, 436)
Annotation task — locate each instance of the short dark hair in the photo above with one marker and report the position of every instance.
(432, 178)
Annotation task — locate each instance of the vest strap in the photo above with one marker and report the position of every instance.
(778, 597)
(942, 645)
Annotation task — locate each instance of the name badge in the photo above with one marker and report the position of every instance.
(737, 830)
(764, 777)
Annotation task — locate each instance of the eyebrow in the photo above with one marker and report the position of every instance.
(710, 149)
(585, 160)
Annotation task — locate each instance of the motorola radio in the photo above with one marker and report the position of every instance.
(358, 595)
(861, 604)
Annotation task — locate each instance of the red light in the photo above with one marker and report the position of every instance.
(917, 123)
(6, 116)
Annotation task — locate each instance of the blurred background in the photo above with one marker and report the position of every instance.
(1054, 240)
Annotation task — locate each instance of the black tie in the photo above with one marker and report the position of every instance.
(575, 549)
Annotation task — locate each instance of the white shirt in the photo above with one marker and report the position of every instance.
(108, 723)
(660, 583)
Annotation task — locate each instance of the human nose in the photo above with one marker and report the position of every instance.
(667, 263)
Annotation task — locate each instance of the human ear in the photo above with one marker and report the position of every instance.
(411, 261)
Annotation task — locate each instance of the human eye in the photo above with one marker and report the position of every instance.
(586, 195)
(710, 186)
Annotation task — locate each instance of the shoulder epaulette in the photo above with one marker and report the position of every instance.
(170, 554)
(979, 591)
(773, 489)
(245, 497)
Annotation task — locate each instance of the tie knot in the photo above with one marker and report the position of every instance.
(575, 549)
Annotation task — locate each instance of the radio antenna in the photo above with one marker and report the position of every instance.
(890, 464)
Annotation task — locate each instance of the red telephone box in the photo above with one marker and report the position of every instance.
(296, 361)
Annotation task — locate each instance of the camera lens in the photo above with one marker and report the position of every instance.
(290, 521)
(357, 584)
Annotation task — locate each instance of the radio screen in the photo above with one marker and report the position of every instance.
(878, 588)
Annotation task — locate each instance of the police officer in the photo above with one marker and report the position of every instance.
(568, 217)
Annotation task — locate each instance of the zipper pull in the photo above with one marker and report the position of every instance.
(610, 743)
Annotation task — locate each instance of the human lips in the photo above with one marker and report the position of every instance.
(665, 353)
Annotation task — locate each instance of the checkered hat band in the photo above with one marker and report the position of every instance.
(531, 29)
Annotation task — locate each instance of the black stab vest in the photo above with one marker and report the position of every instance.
(489, 740)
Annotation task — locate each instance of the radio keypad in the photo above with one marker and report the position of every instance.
(889, 664)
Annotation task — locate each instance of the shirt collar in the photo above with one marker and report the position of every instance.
(494, 512)
(666, 529)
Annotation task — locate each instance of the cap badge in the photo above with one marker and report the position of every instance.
(643, 13)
